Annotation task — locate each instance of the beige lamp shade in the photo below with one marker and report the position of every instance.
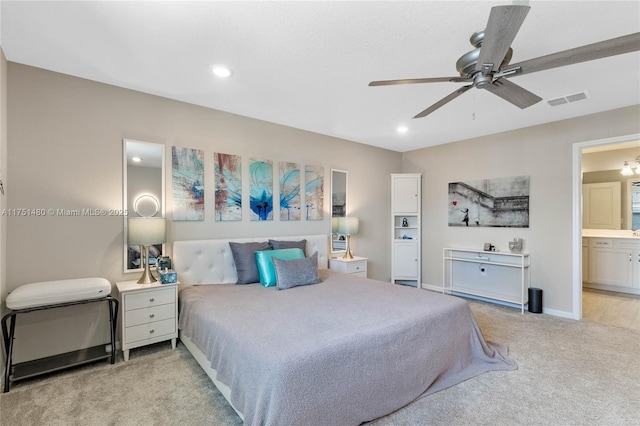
(146, 231)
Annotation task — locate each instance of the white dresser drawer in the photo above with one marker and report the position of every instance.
(146, 315)
(601, 242)
(147, 299)
(151, 330)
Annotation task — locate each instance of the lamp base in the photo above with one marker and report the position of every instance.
(147, 277)
(347, 254)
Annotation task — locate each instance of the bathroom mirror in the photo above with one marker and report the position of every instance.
(338, 207)
(143, 193)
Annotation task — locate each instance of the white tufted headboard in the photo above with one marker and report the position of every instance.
(211, 261)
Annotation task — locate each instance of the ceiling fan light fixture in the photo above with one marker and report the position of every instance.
(402, 129)
(637, 167)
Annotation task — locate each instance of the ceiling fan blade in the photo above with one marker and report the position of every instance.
(589, 52)
(419, 80)
(444, 101)
(502, 27)
(513, 93)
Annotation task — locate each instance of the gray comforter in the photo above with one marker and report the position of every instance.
(341, 352)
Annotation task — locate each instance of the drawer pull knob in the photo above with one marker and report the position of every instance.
(152, 315)
(152, 300)
(151, 331)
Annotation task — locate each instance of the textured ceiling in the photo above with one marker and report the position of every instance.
(307, 64)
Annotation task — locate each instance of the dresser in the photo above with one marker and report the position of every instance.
(149, 314)
(356, 266)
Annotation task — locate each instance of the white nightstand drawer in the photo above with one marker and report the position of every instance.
(146, 315)
(356, 266)
(149, 298)
(150, 331)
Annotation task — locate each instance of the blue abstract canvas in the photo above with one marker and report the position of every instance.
(289, 191)
(261, 189)
(187, 167)
(228, 170)
(314, 192)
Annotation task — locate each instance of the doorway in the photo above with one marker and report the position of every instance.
(577, 211)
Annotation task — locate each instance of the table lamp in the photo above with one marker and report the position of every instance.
(348, 226)
(146, 231)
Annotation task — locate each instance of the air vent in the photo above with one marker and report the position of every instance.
(567, 99)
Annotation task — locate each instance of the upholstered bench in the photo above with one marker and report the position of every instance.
(49, 295)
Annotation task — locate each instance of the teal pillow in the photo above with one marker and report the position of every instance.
(265, 264)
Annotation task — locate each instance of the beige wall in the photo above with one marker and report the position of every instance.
(544, 153)
(65, 149)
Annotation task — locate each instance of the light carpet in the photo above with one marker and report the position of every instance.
(570, 373)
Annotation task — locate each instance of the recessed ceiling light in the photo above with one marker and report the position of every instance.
(402, 129)
(221, 71)
(136, 159)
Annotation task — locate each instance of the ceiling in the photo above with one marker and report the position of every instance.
(307, 64)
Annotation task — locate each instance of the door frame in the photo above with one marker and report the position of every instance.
(577, 212)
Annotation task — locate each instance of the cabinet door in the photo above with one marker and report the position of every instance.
(405, 194)
(610, 267)
(601, 205)
(405, 260)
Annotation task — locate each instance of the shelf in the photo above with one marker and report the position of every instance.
(27, 369)
(486, 294)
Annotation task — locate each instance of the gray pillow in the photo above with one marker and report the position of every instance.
(277, 245)
(244, 256)
(296, 272)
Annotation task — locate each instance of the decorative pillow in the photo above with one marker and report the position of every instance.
(245, 259)
(265, 264)
(293, 273)
(277, 245)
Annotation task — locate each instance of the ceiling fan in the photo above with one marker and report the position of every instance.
(487, 66)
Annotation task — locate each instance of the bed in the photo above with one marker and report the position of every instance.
(344, 351)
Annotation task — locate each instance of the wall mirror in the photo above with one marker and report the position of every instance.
(338, 207)
(143, 192)
(601, 166)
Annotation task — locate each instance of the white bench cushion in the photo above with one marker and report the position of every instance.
(55, 292)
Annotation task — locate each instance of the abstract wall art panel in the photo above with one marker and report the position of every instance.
(228, 170)
(261, 189)
(187, 168)
(314, 192)
(501, 202)
(289, 191)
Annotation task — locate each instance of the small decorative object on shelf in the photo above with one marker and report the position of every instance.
(489, 247)
(405, 222)
(515, 246)
(167, 276)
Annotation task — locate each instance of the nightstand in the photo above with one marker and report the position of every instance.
(356, 266)
(149, 314)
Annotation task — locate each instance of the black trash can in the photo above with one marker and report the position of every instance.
(535, 300)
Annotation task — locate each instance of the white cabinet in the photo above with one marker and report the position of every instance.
(601, 205)
(356, 266)
(500, 276)
(149, 314)
(406, 228)
(614, 264)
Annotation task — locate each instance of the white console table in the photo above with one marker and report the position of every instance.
(500, 276)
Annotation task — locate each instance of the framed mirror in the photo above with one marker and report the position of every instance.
(143, 193)
(338, 207)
